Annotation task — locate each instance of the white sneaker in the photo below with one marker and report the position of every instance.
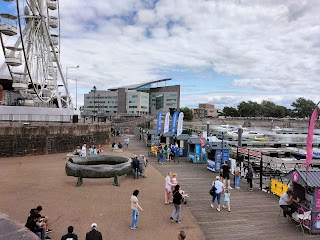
(218, 209)
(230, 188)
(212, 206)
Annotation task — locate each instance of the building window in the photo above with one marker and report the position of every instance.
(132, 106)
(134, 96)
(159, 101)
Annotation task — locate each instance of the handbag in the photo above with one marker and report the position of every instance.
(212, 191)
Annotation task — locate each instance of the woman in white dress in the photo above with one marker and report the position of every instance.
(168, 196)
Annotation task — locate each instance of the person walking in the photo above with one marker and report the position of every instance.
(126, 142)
(93, 234)
(142, 166)
(177, 152)
(177, 200)
(135, 166)
(226, 174)
(237, 175)
(168, 186)
(219, 187)
(226, 201)
(161, 156)
(135, 209)
(250, 177)
(70, 235)
(165, 152)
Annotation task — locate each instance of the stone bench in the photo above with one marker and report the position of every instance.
(98, 166)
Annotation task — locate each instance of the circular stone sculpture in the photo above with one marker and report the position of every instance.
(99, 166)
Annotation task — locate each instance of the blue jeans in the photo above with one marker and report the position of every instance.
(41, 234)
(218, 195)
(135, 173)
(176, 212)
(237, 181)
(135, 217)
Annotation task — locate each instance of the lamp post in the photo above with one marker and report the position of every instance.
(76, 93)
(94, 103)
(208, 129)
(67, 76)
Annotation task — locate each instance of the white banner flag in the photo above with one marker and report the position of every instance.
(180, 123)
(166, 123)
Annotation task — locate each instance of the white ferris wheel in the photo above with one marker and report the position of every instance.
(30, 40)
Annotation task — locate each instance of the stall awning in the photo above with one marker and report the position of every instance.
(217, 145)
(197, 140)
(183, 137)
(153, 131)
(304, 178)
(168, 134)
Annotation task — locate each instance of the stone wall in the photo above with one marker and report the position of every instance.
(46, 139)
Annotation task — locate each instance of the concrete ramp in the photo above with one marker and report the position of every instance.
(12, 230)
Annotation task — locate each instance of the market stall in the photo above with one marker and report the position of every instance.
(196, 152)
(217, 153)
(306, 186)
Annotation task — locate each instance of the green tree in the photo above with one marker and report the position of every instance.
(250, 109)
(230, 111)
(302, 107)
(188, 114)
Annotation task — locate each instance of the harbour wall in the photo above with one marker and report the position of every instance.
(46, 139)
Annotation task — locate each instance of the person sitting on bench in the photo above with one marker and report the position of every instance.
(286, 202)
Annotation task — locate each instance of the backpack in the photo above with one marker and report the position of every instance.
(212, 191)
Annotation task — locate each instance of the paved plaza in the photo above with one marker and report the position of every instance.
(27, 182)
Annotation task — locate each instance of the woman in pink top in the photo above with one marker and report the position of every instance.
(167, 196)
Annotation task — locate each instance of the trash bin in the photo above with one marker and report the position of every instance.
(75, 118)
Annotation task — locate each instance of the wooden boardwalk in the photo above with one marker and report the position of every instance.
(254, 215)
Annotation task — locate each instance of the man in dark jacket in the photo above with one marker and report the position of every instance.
(34, 226)
(177, 200)
(70, 235)
(93, 234)
(135, 166)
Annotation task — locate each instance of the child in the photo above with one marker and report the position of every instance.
(95, 152)
(90, 150)
(174, 180)
(226, 199)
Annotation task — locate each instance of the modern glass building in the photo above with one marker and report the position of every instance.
(139, 99)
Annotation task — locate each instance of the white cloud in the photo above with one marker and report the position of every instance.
(267, 45)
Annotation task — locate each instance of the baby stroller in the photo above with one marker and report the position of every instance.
(184, 196)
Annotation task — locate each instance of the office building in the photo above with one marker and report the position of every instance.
(138, 99)
(205, 110)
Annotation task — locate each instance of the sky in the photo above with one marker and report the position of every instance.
(220, 51)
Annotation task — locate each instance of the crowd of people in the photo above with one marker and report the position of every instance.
(139, 165)
(83, 151)
(38, 224)
(173, 194)
(169, 152)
